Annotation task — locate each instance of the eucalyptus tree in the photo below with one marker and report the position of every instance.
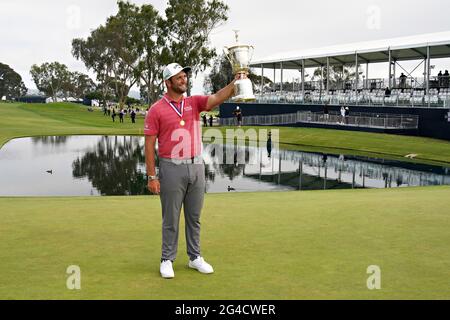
(188, 25)
(11, 84)
(144, 43)
(79, 85)
(50, 78)
(339, 75)
(125, 57)
(133, 46)
(95, 56)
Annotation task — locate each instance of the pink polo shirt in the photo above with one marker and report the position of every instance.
(174, 140)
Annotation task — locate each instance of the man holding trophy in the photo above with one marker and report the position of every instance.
(174, 120)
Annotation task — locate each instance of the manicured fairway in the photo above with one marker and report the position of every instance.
(290, 245)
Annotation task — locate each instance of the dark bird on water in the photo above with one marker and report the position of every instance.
(50, 171)
(230, 188)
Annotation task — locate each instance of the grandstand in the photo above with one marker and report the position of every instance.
(425, 91)
(426, 96)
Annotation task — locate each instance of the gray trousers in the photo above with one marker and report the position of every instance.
(181, 185)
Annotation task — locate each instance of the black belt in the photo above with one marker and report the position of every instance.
(192, 160)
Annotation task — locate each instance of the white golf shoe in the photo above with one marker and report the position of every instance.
(201, 265)
(166, 269)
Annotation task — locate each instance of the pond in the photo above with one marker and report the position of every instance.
(115, 165)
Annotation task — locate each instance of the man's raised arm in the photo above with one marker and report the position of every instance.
(221, 96)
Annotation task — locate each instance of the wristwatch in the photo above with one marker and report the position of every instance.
(151, 178)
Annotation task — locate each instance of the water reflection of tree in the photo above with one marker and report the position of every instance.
(230, 170)
(50, 140)
(113, 167)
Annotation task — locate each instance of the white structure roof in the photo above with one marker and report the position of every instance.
(404, 48)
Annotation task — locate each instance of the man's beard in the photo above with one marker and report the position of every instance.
(180, 89)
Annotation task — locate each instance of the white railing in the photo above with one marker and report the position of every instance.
(386, 121)
(378, 98)
(366, 120)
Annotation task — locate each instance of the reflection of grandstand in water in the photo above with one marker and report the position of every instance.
(305, 170)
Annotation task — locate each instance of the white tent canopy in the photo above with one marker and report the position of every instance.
(399, 49)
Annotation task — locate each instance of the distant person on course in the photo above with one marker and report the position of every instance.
(238, 114)
(326, 112)
(342, 114)
(211, 118)
(121, 113)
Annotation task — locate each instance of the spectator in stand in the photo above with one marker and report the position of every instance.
(347, 113)
(445, 79)
(440, 79)
(387, 92)
(205, 120)
(402, 79)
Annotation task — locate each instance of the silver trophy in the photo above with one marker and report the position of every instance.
(239, 56)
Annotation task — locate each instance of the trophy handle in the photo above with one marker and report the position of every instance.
(253, 51)
(227, 53)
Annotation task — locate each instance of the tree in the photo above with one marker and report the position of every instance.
(134, 45)
(82, 84)
(145, 40)
(188, 25)
(77, 85)
(124, 57)
(95, 56)
(110, 52)
(338, 77)
(50, 77)
(256, 80)
(222, 74)
(131, 101)
(11, 84)
(94, 95)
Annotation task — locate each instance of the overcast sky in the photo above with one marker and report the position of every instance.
(37, 31)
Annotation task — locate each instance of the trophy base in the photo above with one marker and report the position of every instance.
(243, 89)
(243, 98)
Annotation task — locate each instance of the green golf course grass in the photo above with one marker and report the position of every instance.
(277, 245)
